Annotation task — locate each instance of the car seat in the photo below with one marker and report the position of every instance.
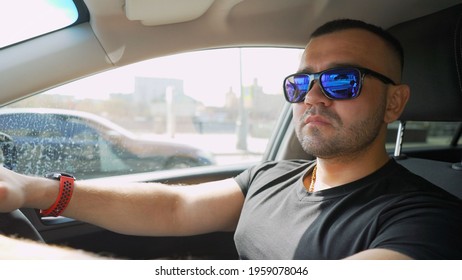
(433, 69)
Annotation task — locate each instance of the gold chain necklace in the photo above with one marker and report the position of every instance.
(313, 179)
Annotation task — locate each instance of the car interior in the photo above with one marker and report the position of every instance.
(111, 34)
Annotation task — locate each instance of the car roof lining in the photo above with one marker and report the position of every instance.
(150, 14)
(238, 23)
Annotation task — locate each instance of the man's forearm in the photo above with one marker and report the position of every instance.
(132, 208)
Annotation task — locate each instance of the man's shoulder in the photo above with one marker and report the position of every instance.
(279, 168)
(269, 171)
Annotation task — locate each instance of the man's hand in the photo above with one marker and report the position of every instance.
(12, 193)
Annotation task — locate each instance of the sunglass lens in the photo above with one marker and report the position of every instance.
(341, 83)
(296, 87)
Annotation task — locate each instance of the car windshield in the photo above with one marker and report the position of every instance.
(24, 19)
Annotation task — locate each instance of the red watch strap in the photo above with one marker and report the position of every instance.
(66, 188)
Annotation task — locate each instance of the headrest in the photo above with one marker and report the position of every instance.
(433, 65)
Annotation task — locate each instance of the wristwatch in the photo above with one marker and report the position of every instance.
(57, 175)
(66, 188)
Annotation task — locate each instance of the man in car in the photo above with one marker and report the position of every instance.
(353, 201)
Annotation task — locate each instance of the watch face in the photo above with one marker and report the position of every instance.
(57, 175)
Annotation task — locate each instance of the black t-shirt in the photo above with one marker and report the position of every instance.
(391, 208)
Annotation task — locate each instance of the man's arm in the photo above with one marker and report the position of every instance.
(137, 208)
(158, 210)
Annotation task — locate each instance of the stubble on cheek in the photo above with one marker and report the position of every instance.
(338, 140)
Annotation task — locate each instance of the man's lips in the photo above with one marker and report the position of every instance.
(316, 119)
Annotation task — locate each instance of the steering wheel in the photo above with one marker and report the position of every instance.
(15, 223)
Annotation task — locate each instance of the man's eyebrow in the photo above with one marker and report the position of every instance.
(304, 71)
(309, 70)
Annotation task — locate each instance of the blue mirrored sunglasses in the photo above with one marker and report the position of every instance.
(340, 83)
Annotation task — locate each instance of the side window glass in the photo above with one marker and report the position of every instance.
(30, 141)
(424, 134)
(203, 108)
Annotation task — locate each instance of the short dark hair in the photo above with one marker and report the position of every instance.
(343, 24)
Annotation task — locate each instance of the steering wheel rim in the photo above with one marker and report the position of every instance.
(15, 223)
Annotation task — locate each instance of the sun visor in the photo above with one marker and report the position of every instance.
(160, 12)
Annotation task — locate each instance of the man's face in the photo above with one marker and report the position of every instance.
(331, 129)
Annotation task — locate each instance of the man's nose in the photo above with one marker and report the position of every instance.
(315, 95)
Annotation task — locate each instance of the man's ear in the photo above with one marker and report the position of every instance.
(397, 97)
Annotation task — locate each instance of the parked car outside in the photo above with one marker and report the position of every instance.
(86, 145)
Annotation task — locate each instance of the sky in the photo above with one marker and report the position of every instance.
(206, 75)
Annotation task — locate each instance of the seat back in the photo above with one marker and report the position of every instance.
(433, 69)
